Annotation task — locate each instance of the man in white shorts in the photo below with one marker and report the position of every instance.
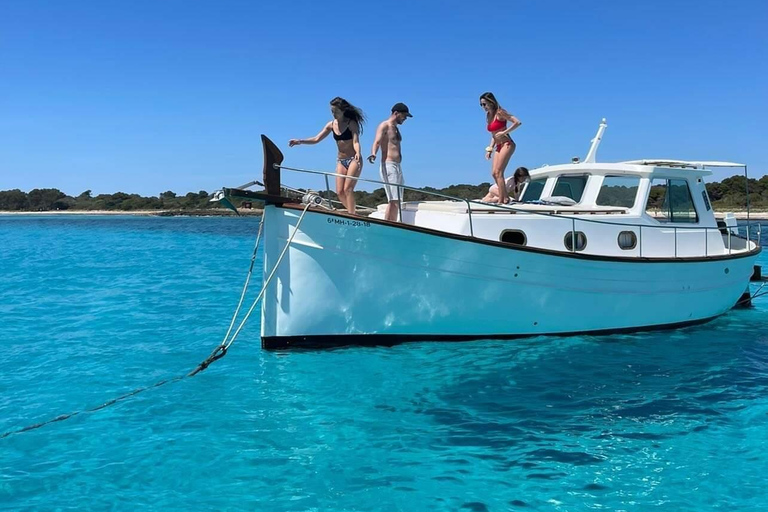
(388, 138)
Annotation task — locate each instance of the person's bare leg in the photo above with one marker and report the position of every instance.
(340, 169)
(392, 211)
(354, 170)
(500, 161)
(498, 177)
(491, 196)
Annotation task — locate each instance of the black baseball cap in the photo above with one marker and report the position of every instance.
(401, 107)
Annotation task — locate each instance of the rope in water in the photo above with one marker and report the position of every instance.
(247, 281)
(758, 293)
(219, 352)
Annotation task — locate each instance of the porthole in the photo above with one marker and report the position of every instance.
(581, 240)
(627, 240)
(513, 236)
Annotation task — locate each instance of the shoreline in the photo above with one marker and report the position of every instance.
(217, 212)
(223, 212)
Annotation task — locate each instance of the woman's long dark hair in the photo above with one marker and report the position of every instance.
(350, 111)
(520, 174)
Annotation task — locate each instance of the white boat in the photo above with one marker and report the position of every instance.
(586, 251)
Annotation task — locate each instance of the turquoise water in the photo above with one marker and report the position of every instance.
(93, 307)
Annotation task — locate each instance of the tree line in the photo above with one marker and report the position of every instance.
(727, 194)
(53, 199)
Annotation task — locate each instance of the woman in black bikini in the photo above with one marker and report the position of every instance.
(346, 127)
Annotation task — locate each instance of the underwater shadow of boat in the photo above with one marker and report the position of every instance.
(538, 401)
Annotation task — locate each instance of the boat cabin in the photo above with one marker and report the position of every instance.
(640, 208)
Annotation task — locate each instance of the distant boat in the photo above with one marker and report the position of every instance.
(586, 251)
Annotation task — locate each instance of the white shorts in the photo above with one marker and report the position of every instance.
(393, 174)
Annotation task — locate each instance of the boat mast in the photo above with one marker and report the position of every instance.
(746, 184)
(590, 159)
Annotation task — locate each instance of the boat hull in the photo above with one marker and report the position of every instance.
(356, 281)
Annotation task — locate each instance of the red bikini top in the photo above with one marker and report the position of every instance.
(496, 125)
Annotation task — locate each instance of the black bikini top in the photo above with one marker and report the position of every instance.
(345, 135)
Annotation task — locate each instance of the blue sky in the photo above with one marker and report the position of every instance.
(146, 96)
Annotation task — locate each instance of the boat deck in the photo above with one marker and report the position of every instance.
(477, 207)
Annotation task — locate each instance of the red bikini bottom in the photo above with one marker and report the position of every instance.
(508, 143)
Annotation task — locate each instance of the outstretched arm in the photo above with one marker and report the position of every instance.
(313, 140)
(381, 138)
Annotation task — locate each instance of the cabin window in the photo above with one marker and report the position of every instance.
(533, 190)
(570, 186)
(706, 199)
(671, 201)
(513, 236)
(581, 240)
(627, 240)
(618, 191)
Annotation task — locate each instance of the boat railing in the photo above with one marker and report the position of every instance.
(468, 202)
(676, 229)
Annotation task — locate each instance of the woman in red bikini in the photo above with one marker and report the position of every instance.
(504, 146)
(346, 127)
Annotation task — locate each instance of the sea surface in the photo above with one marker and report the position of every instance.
(93, 307)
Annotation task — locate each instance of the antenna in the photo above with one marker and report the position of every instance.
(590, 159)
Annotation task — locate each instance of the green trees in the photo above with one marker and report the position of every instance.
(51, 199)
(42, 199)
(729, 194)
(13, 200)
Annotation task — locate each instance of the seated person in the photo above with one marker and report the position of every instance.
(514, 186)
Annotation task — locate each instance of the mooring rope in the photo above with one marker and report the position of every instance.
(758, 293)
(247, 279)
(219, 352)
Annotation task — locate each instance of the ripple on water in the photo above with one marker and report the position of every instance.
(94, 307)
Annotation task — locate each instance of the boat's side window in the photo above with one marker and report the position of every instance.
(570, 186)
(671, 201)
(513, 236)
(533, 189)
(581, 240)
(618, 191)
(627, 240)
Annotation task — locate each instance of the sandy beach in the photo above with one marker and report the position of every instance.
(742, 215)
(84, 212)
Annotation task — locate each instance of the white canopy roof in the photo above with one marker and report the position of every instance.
(683, 163)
